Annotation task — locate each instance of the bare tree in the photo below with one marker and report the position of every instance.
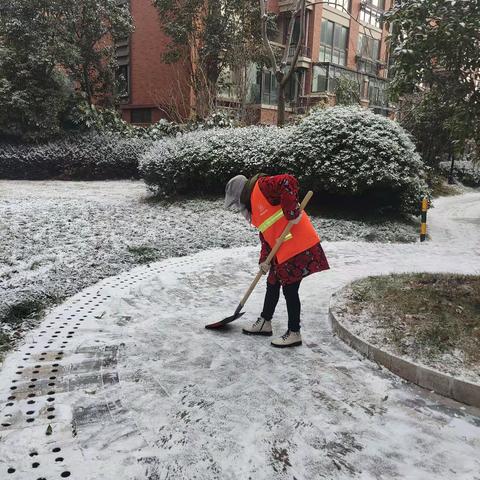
(284, 69)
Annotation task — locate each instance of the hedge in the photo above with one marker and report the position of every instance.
(201, 162)
(78, 158)
(343, 151)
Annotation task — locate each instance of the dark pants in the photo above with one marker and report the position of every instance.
(290, 292)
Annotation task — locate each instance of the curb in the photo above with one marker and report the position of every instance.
(441, 383)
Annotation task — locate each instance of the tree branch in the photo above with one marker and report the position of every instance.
(266, 41)
(301, 8)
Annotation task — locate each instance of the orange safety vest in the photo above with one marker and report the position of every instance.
(271, 222)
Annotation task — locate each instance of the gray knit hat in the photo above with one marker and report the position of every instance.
(233, 191)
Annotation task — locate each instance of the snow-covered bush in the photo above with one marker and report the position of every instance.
(345, 151)
(350, 151)
(218, 119)
(465, 171)
(203, 161)
(85, 157)
(103, 121)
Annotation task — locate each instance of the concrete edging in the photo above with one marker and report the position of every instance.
(441, 383)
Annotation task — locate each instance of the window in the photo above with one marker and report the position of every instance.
(368, 47)
(319, 79)
(368, 54)
(377, 92)
(268, 86)
(325, 79)
(141, 115)
(343, 5)
(122, 81)
(379, 4)
(122, 76)
(371, 15)
(333, 43)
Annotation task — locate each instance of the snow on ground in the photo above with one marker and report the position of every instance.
(57, 238)
(140, 390)
(366, 326)
(455, 222)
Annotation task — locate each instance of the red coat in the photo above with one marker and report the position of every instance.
(283, 190)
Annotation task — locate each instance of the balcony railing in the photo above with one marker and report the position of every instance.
(287, 5)
(325, 78)
(304, 51)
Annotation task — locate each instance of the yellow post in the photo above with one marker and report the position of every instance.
(423, 228)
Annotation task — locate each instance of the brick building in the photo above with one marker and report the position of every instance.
(342, 38)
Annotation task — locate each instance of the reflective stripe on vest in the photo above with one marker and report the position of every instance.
(278, 215)
(271, 222)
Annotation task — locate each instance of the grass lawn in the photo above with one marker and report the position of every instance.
(428, 317)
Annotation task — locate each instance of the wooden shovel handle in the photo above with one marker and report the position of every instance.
(278, 243)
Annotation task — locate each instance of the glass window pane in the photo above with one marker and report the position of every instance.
(266, 83)
(296, 30)
(360, 44)
(322, 54)
(336, 35)
(336, 56)
(323, 32)
(376, 50)
(322, 83)
(274, 91)
(344, 38)
(319, 79)
(332, 84)
(329, 40)
(141, 115)
(330, 55)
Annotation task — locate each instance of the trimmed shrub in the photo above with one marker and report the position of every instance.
(352, 152)
(341, 151)
(203, 161)
(87, 157)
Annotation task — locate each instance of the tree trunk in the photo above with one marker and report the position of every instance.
(281, 105)
(451, 180)
(286, 68)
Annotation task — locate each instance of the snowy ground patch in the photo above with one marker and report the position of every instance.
(433, 320)
(57, 238)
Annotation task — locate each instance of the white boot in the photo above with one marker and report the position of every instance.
(259, 327)
(289, 339)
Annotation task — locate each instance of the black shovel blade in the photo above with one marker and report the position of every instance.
(225, 321)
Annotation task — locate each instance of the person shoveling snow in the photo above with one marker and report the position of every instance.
(270, 203)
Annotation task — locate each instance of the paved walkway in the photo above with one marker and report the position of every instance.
(123, 382)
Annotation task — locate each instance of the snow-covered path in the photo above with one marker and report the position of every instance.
(136, 388)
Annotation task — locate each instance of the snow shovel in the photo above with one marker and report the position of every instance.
(238, 312)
